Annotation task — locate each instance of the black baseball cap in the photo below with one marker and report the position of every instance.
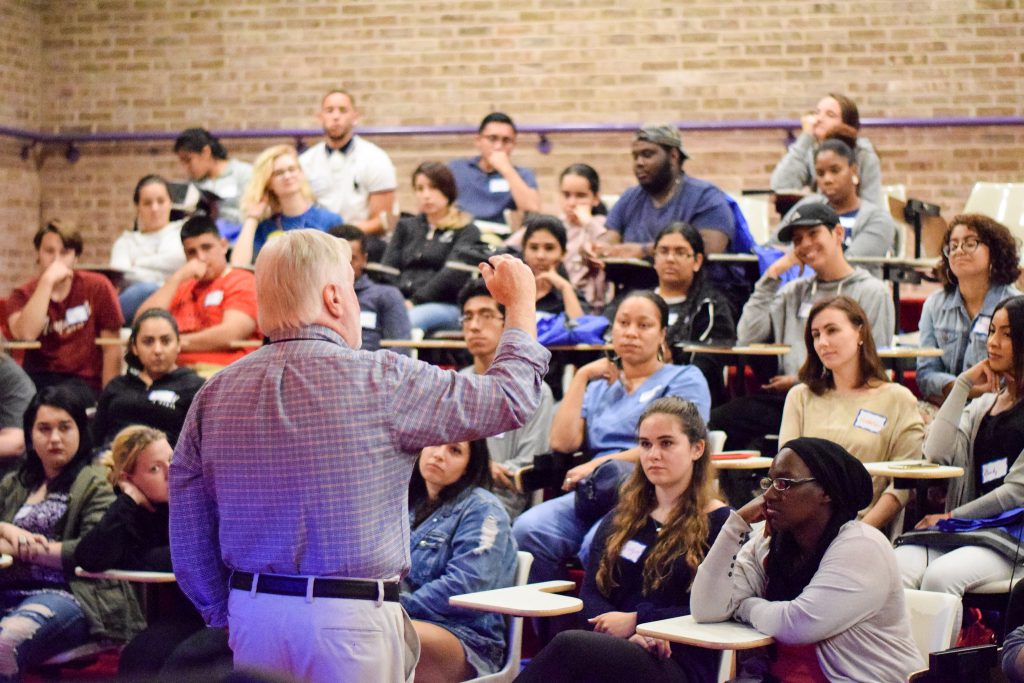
(808, 215)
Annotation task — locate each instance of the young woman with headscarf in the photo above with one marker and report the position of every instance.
(824, 585)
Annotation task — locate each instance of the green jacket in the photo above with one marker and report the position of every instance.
(111, 606)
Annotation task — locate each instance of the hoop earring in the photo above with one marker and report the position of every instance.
(661, 353)
(856, 180)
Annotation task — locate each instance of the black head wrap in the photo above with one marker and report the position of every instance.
(841, 475)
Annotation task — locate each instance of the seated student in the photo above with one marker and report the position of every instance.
(277, 199)
(583, 215)
(544, 242)
(870, 230)
(697, 312)
(46, 506)
(213, 303)
(778, 313)
(208, 166)
(643, 560)
(599, 412)
(423, 244)
(133, 534)
(796, 169)
(155, 391)
(665, 195)
(846, 397)
(986, 438)
(824, 585)
(16, 390)
(482, 323)
(978, 268)
(66, 310)
(382, 311)
(460, 543)
(151, 251)
(1013, 655)
(489, 183)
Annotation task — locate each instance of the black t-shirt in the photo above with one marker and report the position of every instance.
(127, 400)
(999, 441)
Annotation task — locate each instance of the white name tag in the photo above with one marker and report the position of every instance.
(214, 298)
(368, 320)
(872, 422)
(993, 470)
(632, 550)
(543, 315)
(805, 310)
(982, 324)
(672, 318)
(498, 185)
(76, 314)
(649, 394)
(498, 436)
(164, 397)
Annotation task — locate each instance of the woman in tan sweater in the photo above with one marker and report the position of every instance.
(846, 397)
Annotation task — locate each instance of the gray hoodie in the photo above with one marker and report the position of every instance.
(778, 314)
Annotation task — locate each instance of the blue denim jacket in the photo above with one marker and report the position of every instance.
(464, 547)
(944, 324)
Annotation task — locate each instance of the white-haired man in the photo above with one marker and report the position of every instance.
(289, 522)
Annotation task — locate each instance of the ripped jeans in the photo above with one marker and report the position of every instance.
(36, 627)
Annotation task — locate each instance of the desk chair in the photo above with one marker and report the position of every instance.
(1002, 201)
(513, 629)
(934, 620)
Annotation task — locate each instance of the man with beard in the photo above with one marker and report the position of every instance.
(350, 176)
(665, 195)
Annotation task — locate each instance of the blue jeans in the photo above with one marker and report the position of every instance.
(35, 628)
(132, 296)
(434, 316)
(553, 534)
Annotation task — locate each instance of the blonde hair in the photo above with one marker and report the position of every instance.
(125, 450)
(291, 272)
(262, 171)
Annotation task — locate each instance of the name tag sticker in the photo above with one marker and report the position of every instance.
(872, 422)
(805, 310)
(368, 320)
(672, 318)
(497, 185)
(649, 394)
(982, 324)
(164, 397)
(214, 298)
(76, 314)
(993, 470)
(632, 550)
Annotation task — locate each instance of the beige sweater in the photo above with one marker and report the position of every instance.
(879, 425)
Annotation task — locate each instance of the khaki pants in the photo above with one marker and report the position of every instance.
(323, 640)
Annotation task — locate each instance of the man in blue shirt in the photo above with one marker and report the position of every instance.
(382, 311)
(665, 195)
(489, 183)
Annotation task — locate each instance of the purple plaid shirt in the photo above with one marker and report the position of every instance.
(296, 459)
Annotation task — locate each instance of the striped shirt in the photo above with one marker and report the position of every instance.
(296, 459)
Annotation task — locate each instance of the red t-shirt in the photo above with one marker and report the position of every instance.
(198, 305)
(69, 337)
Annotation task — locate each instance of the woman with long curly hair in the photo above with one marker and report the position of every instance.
(643, 560)
(980, 262)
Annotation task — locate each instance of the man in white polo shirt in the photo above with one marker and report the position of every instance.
(350, 176)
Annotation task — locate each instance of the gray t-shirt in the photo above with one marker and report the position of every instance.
(16, 390)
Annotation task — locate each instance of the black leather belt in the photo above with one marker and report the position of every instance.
(351, 589)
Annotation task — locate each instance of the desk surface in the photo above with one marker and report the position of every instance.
(135, 576)
(725, 635)
(909, 352)
(752, 463)
(111, 341)
(15, 345)
(422, 344)
(748, 350)
(531, 600)
(913, 469)
(246, 343)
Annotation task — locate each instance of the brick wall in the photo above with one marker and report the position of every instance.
(109, 65)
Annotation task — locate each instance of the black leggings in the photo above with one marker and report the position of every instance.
(575, 656)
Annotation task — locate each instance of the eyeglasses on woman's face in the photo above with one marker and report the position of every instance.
(782, 484)
(968, 246)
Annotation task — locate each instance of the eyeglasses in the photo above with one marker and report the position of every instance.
(483, 317)
(680, 254)
(968, 246)
(782, 483)
(288, 170)
(495, 139)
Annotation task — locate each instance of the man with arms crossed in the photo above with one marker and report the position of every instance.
(290, 478)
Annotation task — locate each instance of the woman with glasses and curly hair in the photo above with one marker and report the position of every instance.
(980, 263)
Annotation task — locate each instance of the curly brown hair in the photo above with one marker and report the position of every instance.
(685, 532)
(1004, 264)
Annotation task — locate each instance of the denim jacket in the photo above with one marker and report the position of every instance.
(464, 547)
(944, 324)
